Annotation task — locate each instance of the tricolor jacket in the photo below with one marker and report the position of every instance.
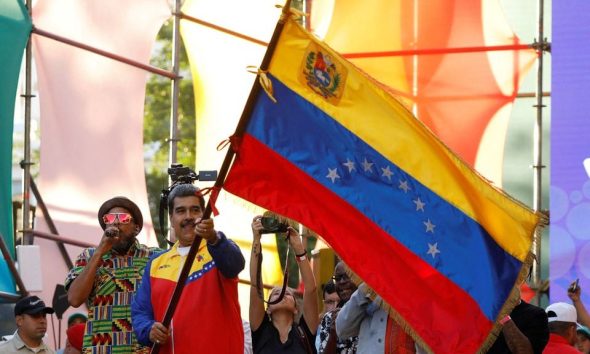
(207, 318)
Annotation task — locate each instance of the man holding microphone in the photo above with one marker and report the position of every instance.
(106, 278)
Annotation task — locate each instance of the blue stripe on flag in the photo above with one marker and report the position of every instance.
(442, 235)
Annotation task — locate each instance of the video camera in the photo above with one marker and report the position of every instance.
(180, 174)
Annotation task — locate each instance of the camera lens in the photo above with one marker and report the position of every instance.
(272, 225)
(269, 223)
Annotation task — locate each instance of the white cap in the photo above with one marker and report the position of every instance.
(561, 311)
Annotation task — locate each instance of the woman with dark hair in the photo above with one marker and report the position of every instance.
(274, 329)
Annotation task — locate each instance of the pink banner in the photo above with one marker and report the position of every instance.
(91, 116)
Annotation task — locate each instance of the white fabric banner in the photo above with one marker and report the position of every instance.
(222, 85)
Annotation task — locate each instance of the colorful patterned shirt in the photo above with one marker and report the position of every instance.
(108, 329)
(344, 345)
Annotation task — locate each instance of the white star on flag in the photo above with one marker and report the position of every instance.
(429, 226)
(367, 166)
(332, 174)
(404, 186)
(387, 173)
(350, 165)
(433, 249)
(419, 204)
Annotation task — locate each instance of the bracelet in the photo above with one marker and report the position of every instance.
(505, 319)
(301, 257)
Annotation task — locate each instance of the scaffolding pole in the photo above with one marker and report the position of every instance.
(26, 162)
(175, 95)
(541, 47)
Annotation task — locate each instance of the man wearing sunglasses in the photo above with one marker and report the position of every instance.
(106, 277)
(327, 340)
(207, 318)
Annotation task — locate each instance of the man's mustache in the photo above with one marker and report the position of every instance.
(187, 222)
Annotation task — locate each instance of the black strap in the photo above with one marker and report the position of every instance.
(332, 336)
(259, 285)
(304, 339)
(163, 207)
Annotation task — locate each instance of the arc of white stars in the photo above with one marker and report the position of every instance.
(333, 174)
(429, 226)
(350, 165)
(433, 249)
(387, 173)
(367, 166)
(419, 204)
(403, 185)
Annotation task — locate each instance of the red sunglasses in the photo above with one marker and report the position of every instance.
(123, 218)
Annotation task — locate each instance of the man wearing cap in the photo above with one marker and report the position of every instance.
(106, 277)
(207, 318)
(77, 318)
(31, 321)
(562, 319)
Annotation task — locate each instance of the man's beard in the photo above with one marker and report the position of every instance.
(123, 246)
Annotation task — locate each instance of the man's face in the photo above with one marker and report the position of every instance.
(331, 301)
(76, 321)
(185, 212)
(572, 334)
(32, 327)
(344, 285)
(583, 343)
(127, 232)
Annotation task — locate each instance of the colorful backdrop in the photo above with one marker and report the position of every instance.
(570, 149)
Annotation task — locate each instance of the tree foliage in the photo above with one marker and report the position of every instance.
(157, 121)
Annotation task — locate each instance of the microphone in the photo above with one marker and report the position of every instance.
(112, 232)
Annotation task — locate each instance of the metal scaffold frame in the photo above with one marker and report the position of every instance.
(541, 45)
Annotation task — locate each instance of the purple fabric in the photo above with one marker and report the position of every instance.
(570, 146)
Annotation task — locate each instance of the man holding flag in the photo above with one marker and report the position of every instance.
(208, 316)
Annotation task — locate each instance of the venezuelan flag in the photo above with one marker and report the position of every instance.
(339, 154)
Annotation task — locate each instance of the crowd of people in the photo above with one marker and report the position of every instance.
(127, 288)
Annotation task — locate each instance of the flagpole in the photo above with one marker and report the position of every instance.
(240, 128)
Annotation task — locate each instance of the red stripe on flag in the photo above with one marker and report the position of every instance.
(430, 303)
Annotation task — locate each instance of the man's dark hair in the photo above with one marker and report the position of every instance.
(560, 327)
(329, 288)
(184, 190)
